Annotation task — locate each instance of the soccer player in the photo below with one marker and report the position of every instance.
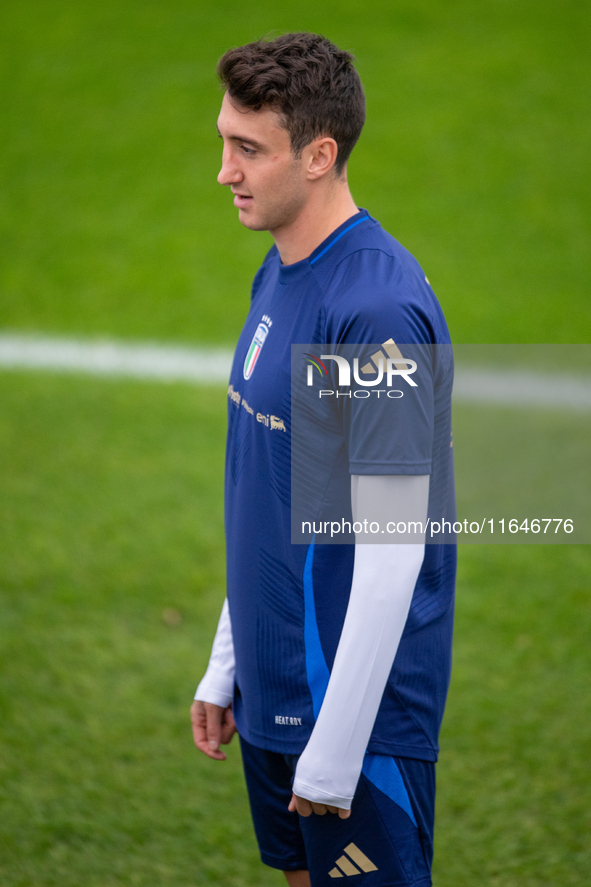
(331, 661)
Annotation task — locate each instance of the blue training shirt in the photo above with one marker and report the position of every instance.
(288, 601)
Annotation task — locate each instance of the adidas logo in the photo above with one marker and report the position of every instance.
(346, 867)
(392, 351)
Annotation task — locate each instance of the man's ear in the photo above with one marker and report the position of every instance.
(321, 156)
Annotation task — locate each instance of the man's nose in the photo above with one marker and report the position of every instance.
(229, 173)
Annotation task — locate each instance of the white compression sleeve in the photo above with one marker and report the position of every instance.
(217, 686)
(384, 578)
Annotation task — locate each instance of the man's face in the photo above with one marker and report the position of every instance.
(269, 184)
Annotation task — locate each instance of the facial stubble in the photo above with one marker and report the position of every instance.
(286, 205)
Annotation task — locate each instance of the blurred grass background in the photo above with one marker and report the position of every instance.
(475, 155)
(111, 568)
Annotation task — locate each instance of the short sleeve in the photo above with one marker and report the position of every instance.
(386, 311)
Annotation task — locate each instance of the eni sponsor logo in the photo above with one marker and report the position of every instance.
(352, 862)
(387, 364)
(272, 422)
(256, 346)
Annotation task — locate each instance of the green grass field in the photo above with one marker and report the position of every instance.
(111, 537)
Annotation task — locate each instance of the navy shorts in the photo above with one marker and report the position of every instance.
(387, 840)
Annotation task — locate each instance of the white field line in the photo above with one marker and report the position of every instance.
(171, 363)
(168, 363)
(522, 388)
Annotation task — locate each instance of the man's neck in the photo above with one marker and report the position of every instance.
(326, 209)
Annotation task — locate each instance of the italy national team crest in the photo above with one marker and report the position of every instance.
(258, 340)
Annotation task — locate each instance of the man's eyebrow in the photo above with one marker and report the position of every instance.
(246, 139)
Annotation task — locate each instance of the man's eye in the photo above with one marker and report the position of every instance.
(248, 151)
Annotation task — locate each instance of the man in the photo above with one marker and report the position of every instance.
(333, 661)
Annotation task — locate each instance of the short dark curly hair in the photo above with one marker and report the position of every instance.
(308, 80)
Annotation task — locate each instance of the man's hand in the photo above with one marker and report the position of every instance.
(212, 726)
(305, 808)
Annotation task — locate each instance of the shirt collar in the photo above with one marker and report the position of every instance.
(291, 273)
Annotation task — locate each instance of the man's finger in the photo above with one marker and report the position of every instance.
(319, 809)
(303, 806)
(213, 728)
(203, 720)
(228, 726)
(306, 808)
